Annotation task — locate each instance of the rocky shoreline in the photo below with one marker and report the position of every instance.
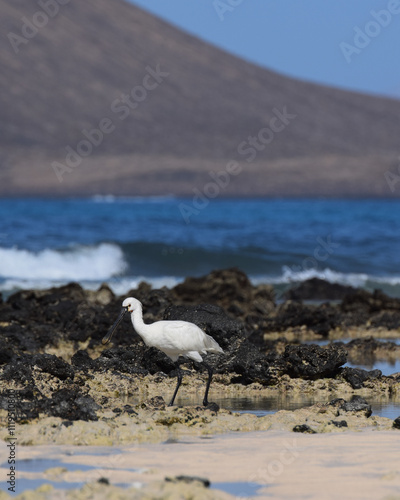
(72, 389)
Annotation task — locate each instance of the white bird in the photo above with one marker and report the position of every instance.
(174, 338)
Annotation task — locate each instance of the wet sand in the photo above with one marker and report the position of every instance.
(282, 465)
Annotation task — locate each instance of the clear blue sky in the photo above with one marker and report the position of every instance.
(300, 38)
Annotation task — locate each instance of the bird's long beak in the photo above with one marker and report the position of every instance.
(110, 332)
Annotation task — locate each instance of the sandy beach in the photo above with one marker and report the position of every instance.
(271, 465)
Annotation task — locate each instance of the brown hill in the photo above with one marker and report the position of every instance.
(189, 108)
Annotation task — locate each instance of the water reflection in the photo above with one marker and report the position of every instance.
(386, 362)
(347, 340)
(387, 367)
(382, 406)
(239, 489)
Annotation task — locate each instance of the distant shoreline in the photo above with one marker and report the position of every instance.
(188, 196)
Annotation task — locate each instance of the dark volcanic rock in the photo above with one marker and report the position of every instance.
(386, 319)
(103, 480)
(304, 428)
(366, 346)
(54, 365)
(214, 407)
(189, 479)
(312, 361)
(50, 305)
(357, 403)
(356, 376)
(317, 289)
(82, 361)
(37, 319)
(230, 289)
(25, 406)
(221, 287)
(6, 355)
(396, 423)
(70, 404)
(369, 302)
(357, 309)
(121, 360)
(244, 359)
(138, 359)
(19, 370)
(290, 314)
(366, 350)
(339, 423)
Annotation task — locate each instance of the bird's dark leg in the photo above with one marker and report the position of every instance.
(179, 377)
(210, 374)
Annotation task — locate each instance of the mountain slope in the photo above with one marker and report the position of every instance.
(201, 104)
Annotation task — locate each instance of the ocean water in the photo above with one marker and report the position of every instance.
(123, 241)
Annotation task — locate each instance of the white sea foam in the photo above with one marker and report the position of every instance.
(357, 280)
(110, 198)
(92, 265)
(393, 280)
(103, 198)
(352, 279)
(81, 263)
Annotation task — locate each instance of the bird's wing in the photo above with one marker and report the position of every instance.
(183, 336)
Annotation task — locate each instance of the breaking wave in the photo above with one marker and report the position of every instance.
(124, 265)
(99, 262)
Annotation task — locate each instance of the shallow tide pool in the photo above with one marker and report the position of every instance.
(260, 406)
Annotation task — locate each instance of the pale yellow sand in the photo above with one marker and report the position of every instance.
(351, 465)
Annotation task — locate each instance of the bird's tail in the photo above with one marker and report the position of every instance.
(211, 345)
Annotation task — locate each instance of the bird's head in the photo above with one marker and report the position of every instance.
(128, 305)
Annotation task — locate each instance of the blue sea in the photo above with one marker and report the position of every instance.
(123, 241)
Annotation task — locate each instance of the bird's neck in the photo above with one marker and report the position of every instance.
(138, 323)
